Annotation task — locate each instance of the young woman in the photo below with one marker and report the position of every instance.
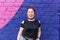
(30, 29)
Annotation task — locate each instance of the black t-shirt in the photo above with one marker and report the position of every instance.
(30, 28)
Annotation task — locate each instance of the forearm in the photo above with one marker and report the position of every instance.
(19, 36)
(20, 33)
(39, 34)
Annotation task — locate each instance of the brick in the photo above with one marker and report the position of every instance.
(58, 14)
(9, 9)
(15, 8)
(19, 1)
(25, 4)
(17, 4)
(5, 16)
(53, 8)
(47, 1)
(27, 1)
(23, 8)
(1, 4)
(2, 9)
(2, 0)
(8, 13)
(41, 5)
(8, 4)
(2, 21)
(56, 1)
(10, 0)
(38, 1)
(19, 12)
(49, 13)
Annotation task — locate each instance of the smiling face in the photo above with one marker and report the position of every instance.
(30, 13)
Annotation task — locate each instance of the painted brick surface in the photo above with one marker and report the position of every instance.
(47, 11)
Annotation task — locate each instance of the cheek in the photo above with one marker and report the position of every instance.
(31, 15)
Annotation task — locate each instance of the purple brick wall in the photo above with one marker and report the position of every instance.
(47, 11)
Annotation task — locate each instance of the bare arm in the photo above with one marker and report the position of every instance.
(39, 32)
(20, 33)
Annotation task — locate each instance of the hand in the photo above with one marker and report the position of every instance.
(37, 39)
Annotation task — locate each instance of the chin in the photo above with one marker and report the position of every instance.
(31, 18)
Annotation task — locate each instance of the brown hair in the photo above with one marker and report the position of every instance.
(31, 7)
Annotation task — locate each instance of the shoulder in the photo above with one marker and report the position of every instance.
(37, 20)
(23, 21)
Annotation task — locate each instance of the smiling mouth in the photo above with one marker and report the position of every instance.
(30, 15)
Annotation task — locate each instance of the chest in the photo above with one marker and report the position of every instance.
(31, 25)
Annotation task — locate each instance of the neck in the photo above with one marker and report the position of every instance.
(31, 19)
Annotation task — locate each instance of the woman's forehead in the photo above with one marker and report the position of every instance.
(30, 9)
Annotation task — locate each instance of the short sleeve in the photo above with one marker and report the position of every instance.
(39, 24)
(22, 24)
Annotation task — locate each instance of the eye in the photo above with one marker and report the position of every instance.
(32, 12)
(28, 11)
